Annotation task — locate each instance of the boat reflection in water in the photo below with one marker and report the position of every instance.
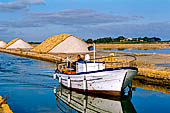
(71, 101)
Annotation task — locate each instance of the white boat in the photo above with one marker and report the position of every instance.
(95, 77)
(70, 101)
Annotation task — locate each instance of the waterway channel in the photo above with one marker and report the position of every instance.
(163, 51)
(28, 85)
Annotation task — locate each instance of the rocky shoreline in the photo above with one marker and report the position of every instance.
(4, 107)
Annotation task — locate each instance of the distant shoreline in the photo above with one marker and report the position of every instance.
(132, 46)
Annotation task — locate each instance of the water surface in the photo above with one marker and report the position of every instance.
(164, 65)
(28, 84)
(140, 50)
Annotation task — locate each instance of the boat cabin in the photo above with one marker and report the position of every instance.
(89, 66)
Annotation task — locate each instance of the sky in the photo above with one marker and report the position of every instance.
(37, 20)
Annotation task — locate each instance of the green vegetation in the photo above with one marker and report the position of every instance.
(34, 42)
(122, 39)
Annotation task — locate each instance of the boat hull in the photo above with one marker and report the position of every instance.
(110, 81)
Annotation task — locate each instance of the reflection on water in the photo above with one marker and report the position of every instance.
(68, 101)
(164, 65)
(139, 50)
(139, 83)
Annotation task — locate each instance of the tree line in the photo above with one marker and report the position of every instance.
(122, 39)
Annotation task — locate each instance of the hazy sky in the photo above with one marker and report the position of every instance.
(36, 20)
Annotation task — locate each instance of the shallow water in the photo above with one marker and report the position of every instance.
(28, 84)
(140, 50)
(164, 65)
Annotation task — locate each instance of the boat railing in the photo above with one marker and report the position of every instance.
(108, 61)
(117, 61)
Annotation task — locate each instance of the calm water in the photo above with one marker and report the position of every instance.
(28, 84)
(164, 65)
(140, 50)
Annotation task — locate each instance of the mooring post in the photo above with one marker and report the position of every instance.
(60, 79)
(84, 83)
(54, 76)
(69, 82)
(55, 90)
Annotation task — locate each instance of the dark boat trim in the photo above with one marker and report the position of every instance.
(123, 82)
(82, 80)
(98, 92)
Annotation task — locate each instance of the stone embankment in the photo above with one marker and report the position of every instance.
(155, 85)
(147, 64)
(33, 55)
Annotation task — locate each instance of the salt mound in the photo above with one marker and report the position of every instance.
(18, 43)
(63, 43)
(2, 43)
